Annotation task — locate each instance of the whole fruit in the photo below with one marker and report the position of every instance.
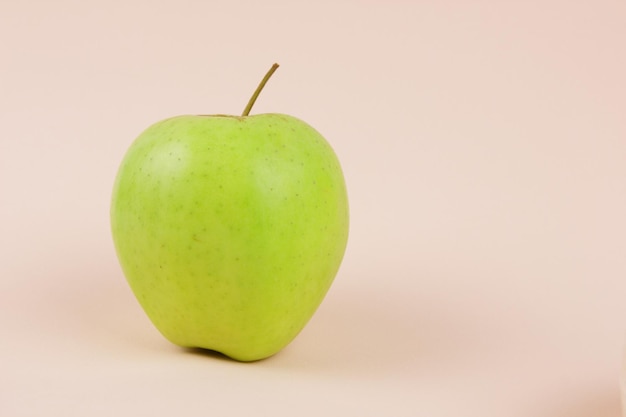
(230, 229)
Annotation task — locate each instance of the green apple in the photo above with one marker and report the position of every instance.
(230, 229)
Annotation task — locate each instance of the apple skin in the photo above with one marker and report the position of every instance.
(230, 229)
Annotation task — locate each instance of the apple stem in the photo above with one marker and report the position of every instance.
(246, 111)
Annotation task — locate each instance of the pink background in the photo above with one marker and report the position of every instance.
(484, 148)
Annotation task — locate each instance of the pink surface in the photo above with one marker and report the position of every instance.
(484, 148)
